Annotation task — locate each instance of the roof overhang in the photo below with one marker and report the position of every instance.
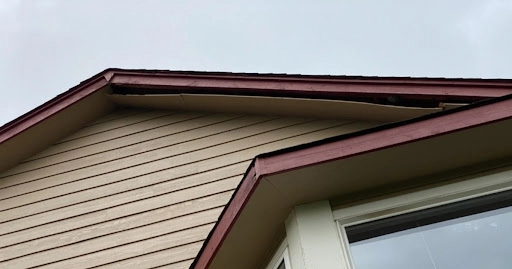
(412, 152)
(338, 95)
(53, 120)
(277, 106)
(315, 87)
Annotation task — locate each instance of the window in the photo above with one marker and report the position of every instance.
(466, 224)
(476, 233)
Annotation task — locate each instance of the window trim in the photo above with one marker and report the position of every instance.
(281, 254)
(455, 190)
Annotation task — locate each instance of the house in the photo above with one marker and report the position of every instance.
(146, 169)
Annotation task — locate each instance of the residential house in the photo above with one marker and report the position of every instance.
(147, 169)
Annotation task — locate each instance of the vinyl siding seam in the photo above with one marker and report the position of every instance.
(145, 254)
(125, 216)
(128, 190)
(184, 164)
(150, 150)
(116, 116)
(138, 241)
(95, 210)
(110, 195)
(174, 263)
(198, 116)
(127, 146)
(163, 157)
(122, 231)
(114, 206)
(166, 114)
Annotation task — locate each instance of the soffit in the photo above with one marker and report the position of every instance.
(297, 107)
(255, 231)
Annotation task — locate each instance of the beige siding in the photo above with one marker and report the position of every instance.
(136, 189)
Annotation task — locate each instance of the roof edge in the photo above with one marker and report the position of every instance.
(235, 83)
(53, 106)
(445, 90)
(486, 82)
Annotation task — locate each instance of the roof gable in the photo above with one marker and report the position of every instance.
(412, 92)
(372, 99)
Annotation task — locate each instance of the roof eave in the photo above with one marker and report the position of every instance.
(236, 84)
(53, 106)
(452, 90)
(347, 146)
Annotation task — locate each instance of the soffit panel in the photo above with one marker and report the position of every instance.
(297, 107)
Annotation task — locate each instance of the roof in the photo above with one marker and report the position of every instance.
(393, 96)
(315, 86)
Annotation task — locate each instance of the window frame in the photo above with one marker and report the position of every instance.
(455, 190)
(282, 254)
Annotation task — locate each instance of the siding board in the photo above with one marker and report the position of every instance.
(61, 197)
(128, 189)
(149, 119)
(137, 188)
(162, 146)
(135, 249)
(179, 257)
(109, 135)
(115, 240)
(47, 237)
(175, 155)
(115, 208)
(178, 265)
(114, 194)
(184, 123)
(117, 114)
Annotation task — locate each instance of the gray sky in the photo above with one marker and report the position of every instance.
(48, 46)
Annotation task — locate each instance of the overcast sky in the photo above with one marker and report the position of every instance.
(48, 46)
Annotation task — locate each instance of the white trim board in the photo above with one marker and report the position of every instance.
(477, 185)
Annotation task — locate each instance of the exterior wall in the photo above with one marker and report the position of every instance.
(136, 188)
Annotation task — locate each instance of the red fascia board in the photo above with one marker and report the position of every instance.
(229, 216)
(345, 148)
(52, 107)
(293, 85)
(296, 86)
(507, 83)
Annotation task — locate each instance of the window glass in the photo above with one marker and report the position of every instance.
(442, 239)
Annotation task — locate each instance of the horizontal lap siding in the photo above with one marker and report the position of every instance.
(136, 188)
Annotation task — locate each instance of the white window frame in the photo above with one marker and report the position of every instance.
(281, 254)
(456, 190)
